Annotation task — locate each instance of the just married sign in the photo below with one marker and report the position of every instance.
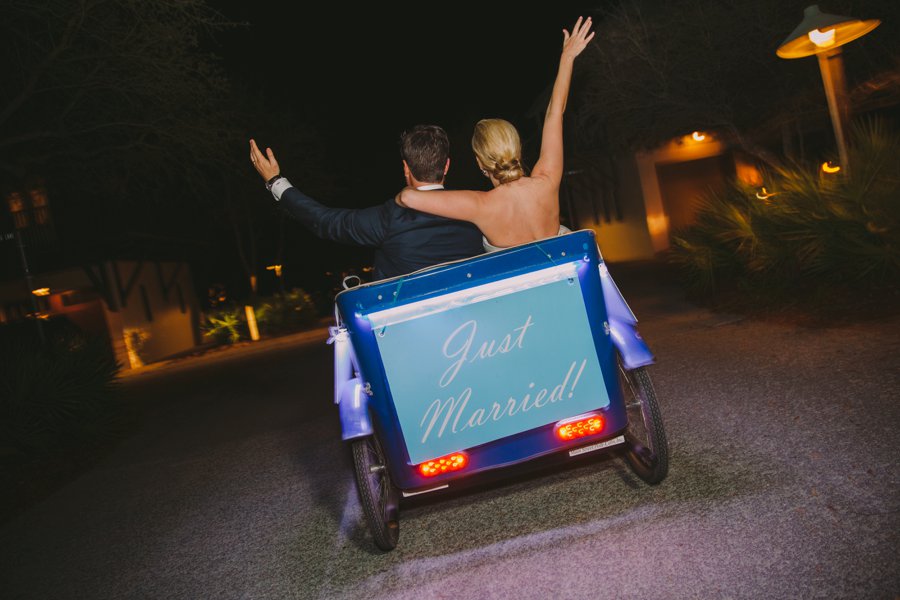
(500, 361)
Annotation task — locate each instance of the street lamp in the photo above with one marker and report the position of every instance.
(823, 34)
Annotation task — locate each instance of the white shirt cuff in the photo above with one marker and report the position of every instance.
(279, 186)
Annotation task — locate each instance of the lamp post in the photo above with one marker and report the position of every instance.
(21, 222)
(823, 34)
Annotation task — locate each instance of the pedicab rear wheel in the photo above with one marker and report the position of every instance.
(646, 448)
(379, 497)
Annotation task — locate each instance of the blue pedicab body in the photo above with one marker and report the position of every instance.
(488, 358)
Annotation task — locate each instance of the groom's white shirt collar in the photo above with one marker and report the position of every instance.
(282, 184)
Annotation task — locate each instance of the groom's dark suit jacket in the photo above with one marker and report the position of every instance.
(405, 240)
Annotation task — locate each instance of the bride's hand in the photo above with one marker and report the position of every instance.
(578, 40)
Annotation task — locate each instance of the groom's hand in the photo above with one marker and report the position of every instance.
(266, 166)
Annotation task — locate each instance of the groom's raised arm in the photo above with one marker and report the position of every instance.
(363, 226)
(366, 227)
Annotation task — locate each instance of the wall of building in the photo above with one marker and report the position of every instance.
(622, 228)
(84, 309)
(649, 207)
(682, 149)
(684, 184)
(159, 311)
(153, 312)
(627, 239)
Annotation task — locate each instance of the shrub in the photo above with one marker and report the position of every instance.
(58, 395)
(225, 325)
(278, 314)
(283, 313)
(817, 230)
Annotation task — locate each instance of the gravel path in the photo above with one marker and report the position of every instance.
(784, 483)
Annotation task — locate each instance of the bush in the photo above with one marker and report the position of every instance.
(224, 326)
(817, 230)
(279, 314)
(59, 395)
(283, 313)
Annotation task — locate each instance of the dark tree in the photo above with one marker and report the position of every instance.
(122, 88)
(661, 69)
(234, 194)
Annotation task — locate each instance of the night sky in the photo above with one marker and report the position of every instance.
(363, 76)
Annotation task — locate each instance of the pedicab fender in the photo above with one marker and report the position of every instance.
(354, 410)
(350, 394)
(631, 346)
(623, 325)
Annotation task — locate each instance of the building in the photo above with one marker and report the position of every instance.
(135, 292)
(635, 203)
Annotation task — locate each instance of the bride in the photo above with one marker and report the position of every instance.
(520, 208)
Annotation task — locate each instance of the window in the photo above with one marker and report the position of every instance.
(39, 206)
(18, 210)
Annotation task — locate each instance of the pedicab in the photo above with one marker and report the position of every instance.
(490, 363)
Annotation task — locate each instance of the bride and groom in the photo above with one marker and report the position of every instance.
(427, 225)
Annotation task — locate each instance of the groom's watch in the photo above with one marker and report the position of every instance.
(272, 181)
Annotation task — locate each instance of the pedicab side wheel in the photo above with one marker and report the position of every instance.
(646, 449)
(379, 498)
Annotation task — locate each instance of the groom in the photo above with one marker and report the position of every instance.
(405, 240)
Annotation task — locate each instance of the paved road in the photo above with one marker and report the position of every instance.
(783, 484)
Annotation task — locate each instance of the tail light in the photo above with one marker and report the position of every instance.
(579, 427)
(445, 464)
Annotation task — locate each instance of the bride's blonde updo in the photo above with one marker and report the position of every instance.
(498, 148)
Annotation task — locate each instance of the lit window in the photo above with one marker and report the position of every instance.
(18, 210)
(40, 206)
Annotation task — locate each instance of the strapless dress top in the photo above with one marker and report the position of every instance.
(488, 247)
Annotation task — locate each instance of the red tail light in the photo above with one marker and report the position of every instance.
(580, 427)
(445, 464)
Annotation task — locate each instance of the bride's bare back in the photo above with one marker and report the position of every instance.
(520, 212)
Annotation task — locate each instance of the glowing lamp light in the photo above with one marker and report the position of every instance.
(698, 137)
(822, 39)
(44, 291)
(251, 323)
(764, 194)
(822, 35)
(828, 167)
(820, 32)
(445, 464)
(748, 174)
(657, 224)
(581, 427)
(276, 268)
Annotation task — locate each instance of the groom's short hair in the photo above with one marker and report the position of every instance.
(425, 148)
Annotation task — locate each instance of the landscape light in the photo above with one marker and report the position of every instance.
(822, 35)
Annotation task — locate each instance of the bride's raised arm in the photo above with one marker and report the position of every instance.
(550, 163)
